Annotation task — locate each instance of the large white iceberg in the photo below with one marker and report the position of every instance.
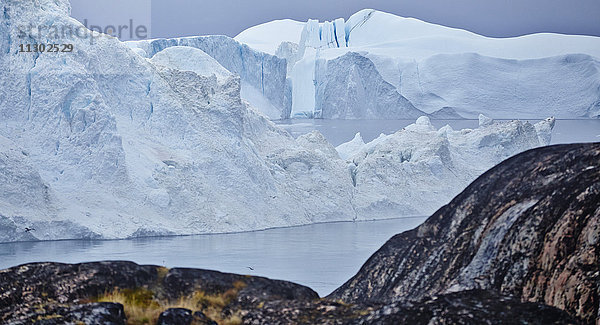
(418, 169)
(109, 144)
(431, 68)
(191, 59)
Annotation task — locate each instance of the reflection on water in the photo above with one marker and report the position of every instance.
(340, 131)
(321, 256)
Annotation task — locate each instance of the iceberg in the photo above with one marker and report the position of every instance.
(108, 144)
(350, 87)
(419, 169)
(190, 59)
(268, 36)
(263, 75)
(435, 70)
(564, 86)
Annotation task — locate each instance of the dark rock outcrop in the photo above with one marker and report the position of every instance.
(175, 316)
(183, 281)
(465, 307)
(103, 313)
(45, 290)
(468, 307)
(54, 283)
(528, 228)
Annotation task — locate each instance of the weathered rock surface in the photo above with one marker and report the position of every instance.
(529, 228)
(465, 307)
(468, 307)
(103, 313)
(53, 293)
(61, 291)
(176, 316)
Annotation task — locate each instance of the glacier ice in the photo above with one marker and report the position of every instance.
(106, 143)
(565, 86)
(268, 36)
(484, 120)
(436, 69)
(191, 59)
(418, 169)
(349, 149)
(129, 147)
(263, 75)
(289, 52)
(350, 87)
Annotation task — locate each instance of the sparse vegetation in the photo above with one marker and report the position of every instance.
(162, 272)
(47, 317)
(143, 306)
(232, 320)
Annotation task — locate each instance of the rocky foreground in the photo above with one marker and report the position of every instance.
(529, 228)
(518, 246)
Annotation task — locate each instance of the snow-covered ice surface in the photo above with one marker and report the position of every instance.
(268, 36)
(190, 59)
(565, 86)
(429, 67)
(263, 75)
(105, 143)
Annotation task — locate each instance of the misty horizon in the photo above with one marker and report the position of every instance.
(178, 18)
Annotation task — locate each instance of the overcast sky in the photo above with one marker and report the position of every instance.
(498, 18)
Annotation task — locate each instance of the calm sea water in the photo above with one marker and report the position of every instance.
(321, 256)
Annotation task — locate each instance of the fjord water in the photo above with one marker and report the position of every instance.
(321, 256)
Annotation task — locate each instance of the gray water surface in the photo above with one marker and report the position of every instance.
(321, 256)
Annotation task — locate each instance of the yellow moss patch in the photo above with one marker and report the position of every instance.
(162, 272)
(239, 285)
(233, 320)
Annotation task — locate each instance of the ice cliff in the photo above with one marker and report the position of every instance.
(104, 143)
(430, 68)
(518, 246)
(418, 169)
(263, 75)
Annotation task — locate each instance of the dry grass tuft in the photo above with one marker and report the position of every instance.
(233, 320)
(162, 272)
(143, 307)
